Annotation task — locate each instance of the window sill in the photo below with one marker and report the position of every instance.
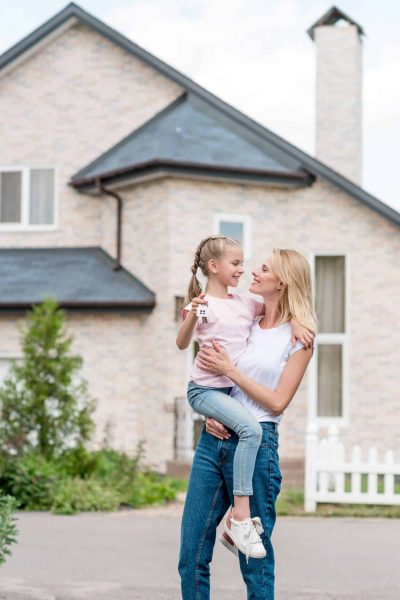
(27, 228)
(342, 422)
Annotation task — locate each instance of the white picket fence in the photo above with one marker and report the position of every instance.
(331, 477)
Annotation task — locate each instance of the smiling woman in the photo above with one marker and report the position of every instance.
(229, 319)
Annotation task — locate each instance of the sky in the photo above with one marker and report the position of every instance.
(257, 56)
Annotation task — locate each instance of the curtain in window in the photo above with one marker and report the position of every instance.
(330, 282)
(41, 197)
(329, 380)
(10, 197)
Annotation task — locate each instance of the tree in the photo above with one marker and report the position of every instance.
(44, 403)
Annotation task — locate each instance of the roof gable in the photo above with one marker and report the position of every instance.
(192, 132)
(308, 163)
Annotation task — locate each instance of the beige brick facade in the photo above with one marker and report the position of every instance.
(73, 100)
(63, 107)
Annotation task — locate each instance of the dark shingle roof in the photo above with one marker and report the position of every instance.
(73, 12)
(192, 132)
(75, 277)
(332, 16)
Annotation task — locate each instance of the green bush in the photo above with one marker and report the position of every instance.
(151, 488)
(8, 530)
(32, 480)
(78, 462)
(115, 466)
(84, 481)
(76, 495)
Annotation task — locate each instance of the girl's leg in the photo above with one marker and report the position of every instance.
(216, 403)
(206, 503)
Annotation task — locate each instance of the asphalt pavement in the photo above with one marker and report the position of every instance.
(132, 555)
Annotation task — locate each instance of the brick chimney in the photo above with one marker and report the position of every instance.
(338, 93)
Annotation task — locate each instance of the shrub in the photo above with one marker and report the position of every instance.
(76, 495)
(8, 530)
(78, 462)
(151, 488)
(32, 480)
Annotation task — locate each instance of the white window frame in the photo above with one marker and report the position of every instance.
(24, 225)
(245, 220)
(332, 338)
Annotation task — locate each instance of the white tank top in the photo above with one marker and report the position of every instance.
(264, 359)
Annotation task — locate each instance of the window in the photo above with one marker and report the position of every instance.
(235, 226)
(27, 197)
(179, 305)
(331, 356)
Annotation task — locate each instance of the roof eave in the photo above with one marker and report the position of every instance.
(168, 167)
(88, 305)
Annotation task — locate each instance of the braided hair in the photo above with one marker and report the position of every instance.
(213, 246)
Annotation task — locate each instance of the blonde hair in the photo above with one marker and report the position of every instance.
(297, 299)
(211, 247)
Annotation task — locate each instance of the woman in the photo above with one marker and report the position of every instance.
(266, 378)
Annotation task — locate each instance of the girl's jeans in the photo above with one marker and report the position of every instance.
(216, 403)
(209, 497)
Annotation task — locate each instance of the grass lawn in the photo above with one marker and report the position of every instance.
(291, 503)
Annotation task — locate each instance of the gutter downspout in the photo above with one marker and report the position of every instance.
(102, 189)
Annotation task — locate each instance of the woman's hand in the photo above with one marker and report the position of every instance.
(217, 429)
(214, 360)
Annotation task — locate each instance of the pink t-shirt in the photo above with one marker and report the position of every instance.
(229, 321)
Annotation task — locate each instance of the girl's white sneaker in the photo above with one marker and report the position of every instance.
(245, 536)
(231, 547)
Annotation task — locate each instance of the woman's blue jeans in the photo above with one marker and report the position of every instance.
(216, 403)
(209, 497)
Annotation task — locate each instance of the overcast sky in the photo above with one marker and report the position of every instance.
(256, 55)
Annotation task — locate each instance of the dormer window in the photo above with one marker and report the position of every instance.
(27, 197)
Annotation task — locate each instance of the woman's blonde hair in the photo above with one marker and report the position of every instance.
(211, 247)
(297, 299)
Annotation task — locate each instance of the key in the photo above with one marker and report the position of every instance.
(202, 311)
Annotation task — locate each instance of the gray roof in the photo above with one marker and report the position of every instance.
(191, 132)
(75, 277)
(332, 16)
(310, 164)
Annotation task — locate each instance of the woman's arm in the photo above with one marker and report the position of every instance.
(218, 361)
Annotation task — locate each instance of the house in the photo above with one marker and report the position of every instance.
(113, 167)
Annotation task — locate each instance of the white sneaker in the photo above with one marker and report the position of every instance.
(231, 547)
(245, 536)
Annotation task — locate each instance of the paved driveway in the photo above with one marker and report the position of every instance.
(132, 555)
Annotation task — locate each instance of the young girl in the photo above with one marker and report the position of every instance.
(226, 318)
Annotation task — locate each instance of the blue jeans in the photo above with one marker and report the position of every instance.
(216, 403)
(209, 497)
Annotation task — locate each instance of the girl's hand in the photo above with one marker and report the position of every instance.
(214, 359)
(196, 302)
(217, 429)
(304, 335)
